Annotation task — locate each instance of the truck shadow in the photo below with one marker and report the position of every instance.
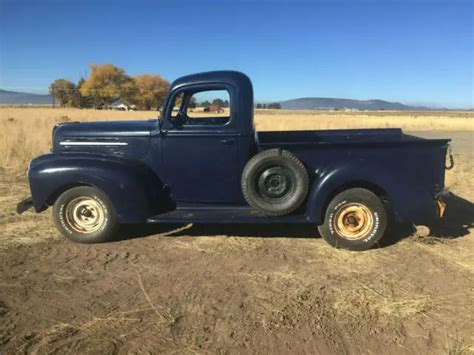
(459, 217)
(207, 230)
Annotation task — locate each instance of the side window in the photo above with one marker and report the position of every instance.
(208, 107)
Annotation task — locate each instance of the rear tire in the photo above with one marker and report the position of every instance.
(85, 214)
(275, 182)
(355, 219)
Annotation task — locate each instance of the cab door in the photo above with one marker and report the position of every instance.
(200, 147)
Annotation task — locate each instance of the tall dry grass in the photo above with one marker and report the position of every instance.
(409, 121)
(26, 132)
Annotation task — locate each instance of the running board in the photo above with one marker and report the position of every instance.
(237, 215)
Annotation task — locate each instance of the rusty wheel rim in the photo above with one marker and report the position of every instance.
(353, 221)
(84, 215)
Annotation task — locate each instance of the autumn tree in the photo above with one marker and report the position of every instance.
(192, 102)
(63, 90)
(218, 102)
(146, 91)
(105, 84)
(77, 100)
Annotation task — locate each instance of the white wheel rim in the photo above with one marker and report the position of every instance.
(85, 215)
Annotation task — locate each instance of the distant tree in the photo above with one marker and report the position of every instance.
(145, 91)
(218, 102)
(129, 93)
(259, 106)
(192, 102)
(264, 105)
(105, 84)
(63, 90)
(205, 104)
(226, 103)
(275, 105)
(80, 83)
(78, 99)
(84, 101)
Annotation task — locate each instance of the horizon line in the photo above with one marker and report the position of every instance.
(429, 106)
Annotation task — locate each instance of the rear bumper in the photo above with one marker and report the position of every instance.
(24, 205)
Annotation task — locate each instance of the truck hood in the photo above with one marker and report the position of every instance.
(125, 138)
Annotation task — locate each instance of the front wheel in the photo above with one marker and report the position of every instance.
(84, 214)
(355, 219)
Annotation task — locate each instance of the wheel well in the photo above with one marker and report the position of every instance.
(59, 191)
(377, 190)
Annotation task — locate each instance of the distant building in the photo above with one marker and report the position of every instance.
(214, 109)
(120, 106)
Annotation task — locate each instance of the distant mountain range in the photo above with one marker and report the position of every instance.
(323, 103)
(22, 98)
(305, 103)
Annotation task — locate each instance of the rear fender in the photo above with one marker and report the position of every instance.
(133, 188)
(361, 173)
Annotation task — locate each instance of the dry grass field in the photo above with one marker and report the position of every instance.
(26, 132)
(235, 289)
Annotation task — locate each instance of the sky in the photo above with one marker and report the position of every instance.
(411, 51)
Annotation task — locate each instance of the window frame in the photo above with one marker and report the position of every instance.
(191, 90)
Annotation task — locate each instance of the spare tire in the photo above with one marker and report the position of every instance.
(274, 182)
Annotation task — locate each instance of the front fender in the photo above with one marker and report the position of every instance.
(133, 188)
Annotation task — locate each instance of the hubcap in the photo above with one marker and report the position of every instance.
(274, 182)
(85, 215)
(353, 221)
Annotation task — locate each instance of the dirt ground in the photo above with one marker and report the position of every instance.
(238, 289)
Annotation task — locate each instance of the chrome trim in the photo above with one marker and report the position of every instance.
(91, 143)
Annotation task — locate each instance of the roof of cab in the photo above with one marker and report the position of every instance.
(241, 101)
(215, 77)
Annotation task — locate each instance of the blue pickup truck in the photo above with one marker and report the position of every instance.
(212, 166)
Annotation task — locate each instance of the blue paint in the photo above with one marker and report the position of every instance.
(158, 171)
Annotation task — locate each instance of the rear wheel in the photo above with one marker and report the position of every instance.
(355, 219)
(84, 214)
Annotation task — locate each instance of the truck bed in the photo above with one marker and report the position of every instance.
(354, 136)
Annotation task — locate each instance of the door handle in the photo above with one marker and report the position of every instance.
(227, 141)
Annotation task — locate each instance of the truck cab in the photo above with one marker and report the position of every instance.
(209, 165)
(203, 153)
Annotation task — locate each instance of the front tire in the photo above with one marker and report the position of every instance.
(355, 219)
(85, 214)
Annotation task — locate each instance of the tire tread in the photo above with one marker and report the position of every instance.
(256, 159)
